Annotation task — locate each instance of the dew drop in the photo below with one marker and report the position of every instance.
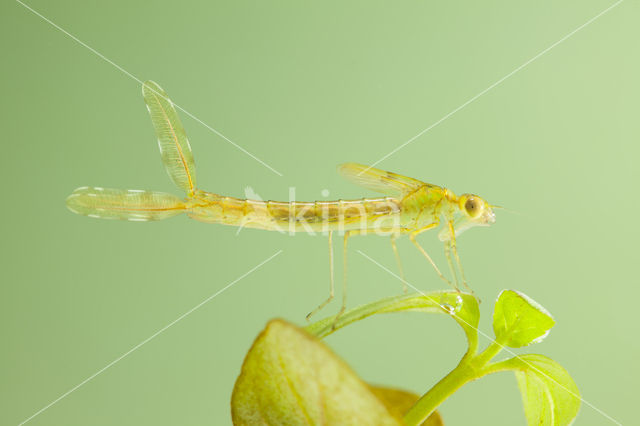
(455, 306)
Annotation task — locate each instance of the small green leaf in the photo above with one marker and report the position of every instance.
(519, 321)
(549, 395)
(289, 377)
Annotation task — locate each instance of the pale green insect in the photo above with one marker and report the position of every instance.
(408, 207)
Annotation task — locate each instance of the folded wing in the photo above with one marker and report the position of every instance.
(124, 204)
(172, 139)
(379, 180)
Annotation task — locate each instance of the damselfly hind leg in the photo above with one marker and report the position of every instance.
(331, 281)
(344, 280)
(395, 251)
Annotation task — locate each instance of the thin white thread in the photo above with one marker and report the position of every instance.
(73, 389)
(492, 86)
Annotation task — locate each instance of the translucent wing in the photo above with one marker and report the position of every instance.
(172, 139)
(379, 180)
(124, 204)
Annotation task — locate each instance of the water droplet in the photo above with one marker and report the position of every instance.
(448, 308)
(455, 305)
(325, 192)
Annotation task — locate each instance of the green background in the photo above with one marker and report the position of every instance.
(305, 86)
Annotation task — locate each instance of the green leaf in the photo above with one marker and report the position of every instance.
(549, 394)
(289, 377)
(519, 321)
(462, 307)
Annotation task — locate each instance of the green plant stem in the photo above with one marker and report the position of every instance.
(432, 302)
(470, 368)
(481, 360)
(437, 394)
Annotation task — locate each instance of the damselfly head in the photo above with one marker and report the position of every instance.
(476, 209)
(473, 211)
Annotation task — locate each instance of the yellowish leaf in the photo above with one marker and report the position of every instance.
(289, 377)
(399, 401)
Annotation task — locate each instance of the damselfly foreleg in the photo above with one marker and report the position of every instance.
(454, 249)
(447, 252)
(412, 237)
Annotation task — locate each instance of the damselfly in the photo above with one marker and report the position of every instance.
(409, 206)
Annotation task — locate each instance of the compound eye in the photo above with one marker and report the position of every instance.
(473, 206)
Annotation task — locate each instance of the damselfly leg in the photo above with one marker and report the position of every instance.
(331, 280)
